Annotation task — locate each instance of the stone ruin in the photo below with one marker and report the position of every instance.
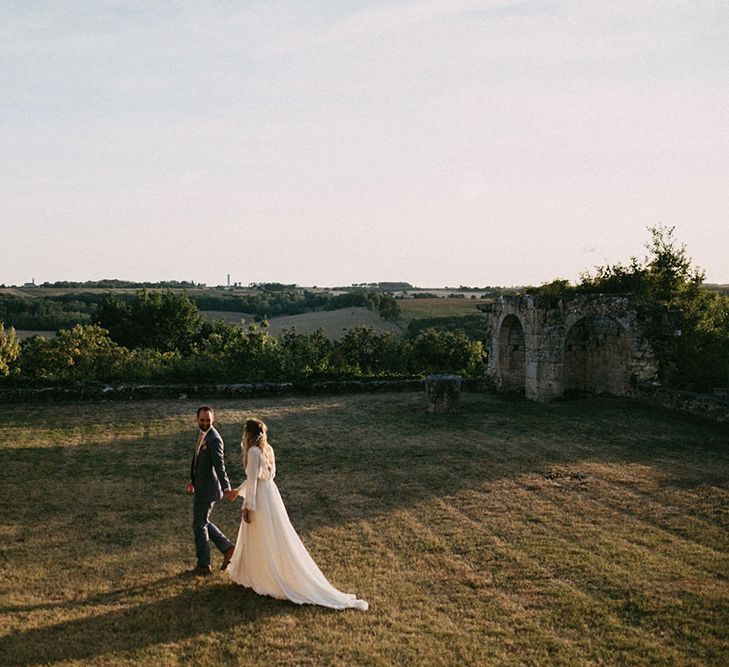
(543, 346)
(443, 392)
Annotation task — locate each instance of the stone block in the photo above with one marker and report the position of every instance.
(443, 392)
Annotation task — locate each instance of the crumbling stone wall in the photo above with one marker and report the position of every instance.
(512, 354)
(596, 356)
(545, 346)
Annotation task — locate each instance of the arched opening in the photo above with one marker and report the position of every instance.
(512, 355)
(596, 357)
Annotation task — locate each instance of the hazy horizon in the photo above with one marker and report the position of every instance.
(300, 285)
(475, 142)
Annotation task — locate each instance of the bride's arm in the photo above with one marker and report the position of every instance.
(254, 463)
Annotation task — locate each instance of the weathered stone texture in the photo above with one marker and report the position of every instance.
(443, 392)
(707, 406)
(546, 346)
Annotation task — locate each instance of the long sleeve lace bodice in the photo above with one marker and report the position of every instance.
(260, 467)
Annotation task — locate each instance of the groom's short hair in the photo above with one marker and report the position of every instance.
(205, 408)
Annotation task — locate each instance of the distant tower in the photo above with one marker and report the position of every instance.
(228, 280)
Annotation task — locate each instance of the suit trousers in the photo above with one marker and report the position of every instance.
(205, 530)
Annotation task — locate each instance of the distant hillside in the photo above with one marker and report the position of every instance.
(414, 309)
(334, 322)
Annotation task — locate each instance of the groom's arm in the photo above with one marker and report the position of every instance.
(216, 455)
(190, 488)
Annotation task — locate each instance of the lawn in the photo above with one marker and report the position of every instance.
(582, 532)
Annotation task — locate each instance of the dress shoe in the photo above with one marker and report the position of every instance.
(201, 571)
(227, 556)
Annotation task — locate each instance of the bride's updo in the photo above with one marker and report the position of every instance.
(254, 435)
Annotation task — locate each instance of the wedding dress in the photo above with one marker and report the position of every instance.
(269, 557)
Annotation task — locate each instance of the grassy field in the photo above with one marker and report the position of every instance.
(413, 309)
(334, 322)
(576, 533)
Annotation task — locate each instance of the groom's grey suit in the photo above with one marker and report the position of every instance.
(208, 476)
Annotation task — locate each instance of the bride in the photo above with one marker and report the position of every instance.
(269, 557)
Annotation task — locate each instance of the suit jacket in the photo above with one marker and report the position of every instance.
(208, 475)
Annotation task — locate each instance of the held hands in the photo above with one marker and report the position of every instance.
(246, 515)
(230, 494)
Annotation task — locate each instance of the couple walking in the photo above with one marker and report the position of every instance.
(268, 555)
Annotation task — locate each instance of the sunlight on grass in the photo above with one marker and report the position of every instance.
(584, 532)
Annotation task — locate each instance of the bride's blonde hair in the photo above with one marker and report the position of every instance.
(255, 435)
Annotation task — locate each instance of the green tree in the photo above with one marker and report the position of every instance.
(364, 351)
(435, 351)
(80, 354)
(304, 355)
(9, 349)
(666, 277)
(161, 320)
(246, 354)
(388, 307)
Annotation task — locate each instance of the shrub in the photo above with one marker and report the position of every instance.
(473, 326)
(9, 349)
(436, 351)
(304, 355)
(363, 351)
(666, 277)
(80, 354)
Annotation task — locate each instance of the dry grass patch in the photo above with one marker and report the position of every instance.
(415, 309)
(584, 532)
(335, 323)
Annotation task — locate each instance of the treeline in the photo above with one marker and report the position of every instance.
(695, 354)
(44, 313)
(382, 286)
(264, 304)
(487, 288)
(272, 303)
(122, 284)
(161, 337)
(431, 295)
(51, 313)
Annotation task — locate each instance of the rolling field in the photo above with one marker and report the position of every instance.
(413, 309)
(591, 532)
(334, 322)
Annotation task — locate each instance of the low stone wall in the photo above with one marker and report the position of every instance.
(708, 406)
(713, 407)
(136, 392)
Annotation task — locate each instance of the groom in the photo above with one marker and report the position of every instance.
(208, 483)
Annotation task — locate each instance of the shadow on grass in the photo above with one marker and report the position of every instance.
(109, 597)
(197, 611)
(366, 456)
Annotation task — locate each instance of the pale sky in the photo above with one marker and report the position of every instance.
(475, 142)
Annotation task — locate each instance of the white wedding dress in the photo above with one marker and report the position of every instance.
(269, 557)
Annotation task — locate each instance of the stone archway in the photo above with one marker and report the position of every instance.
(597, 354)
(544, 345)
(512, 354)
